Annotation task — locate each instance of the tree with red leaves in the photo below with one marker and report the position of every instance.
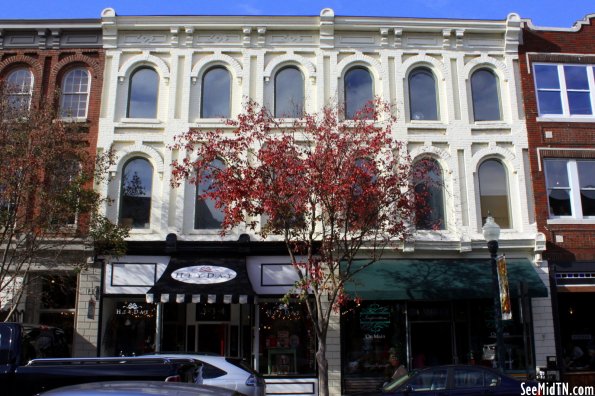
(334, 190)
(48, 206)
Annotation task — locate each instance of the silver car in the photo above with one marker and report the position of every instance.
(224, 372)
(140, 388)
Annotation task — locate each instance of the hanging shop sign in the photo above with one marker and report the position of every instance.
(203, 274)
(503, 283)
(135, 309)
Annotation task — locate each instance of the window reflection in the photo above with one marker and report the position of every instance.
(216, 93)
(486, 98)
(144, 87)
(289, 93)
(493, 192)
(358, 91)
(423, 101)
(135, 195)
(206, 215)
(430, 213)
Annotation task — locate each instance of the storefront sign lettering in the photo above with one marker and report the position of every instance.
(134, 309)
(203, 274)
(374, 318)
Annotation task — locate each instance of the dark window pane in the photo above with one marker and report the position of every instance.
(576, 77)
(546, 76)
(216, 93)
(486, 99)
(588, 202)
(430, 213)
(559, 200)
(206, 215)
(142, 101)
(493, 192)
(586, 174)
(289, 93)
(556, 173)
(550, 102)
(358, 91)
(422, 95)
(135, 195)
(579, 102)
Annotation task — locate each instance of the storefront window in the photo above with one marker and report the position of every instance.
(129, 329)
(577, 330)
(287, 340)
(374, 342)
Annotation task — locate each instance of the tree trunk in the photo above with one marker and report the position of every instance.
(322, 367)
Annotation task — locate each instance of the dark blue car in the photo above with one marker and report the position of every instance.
(454, 380)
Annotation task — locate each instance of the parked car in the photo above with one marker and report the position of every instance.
(225, 372)
(140, 388)
(23, 373)
(459, 380)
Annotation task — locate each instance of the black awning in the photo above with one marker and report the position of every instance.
(203, 280)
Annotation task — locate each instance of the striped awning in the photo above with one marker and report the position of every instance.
(203, 280)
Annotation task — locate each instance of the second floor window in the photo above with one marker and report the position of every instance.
(206, 215)
(430, 216)
(565, 90)
(358, 91)
(143, 93)
(216, 93)
(493, 192)
(570, 187)
(19, 84)
(486, 96)
(289, 93)
(75, 93)
(423, 101)
(135, 193)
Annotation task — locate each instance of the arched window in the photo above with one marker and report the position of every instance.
(358, 91)
(289, 93)
(206, 215)
(19, 84)
(143, 93)
(423, 101)
(75, 93)
(430, 189)
(216, 93)
(493, 192)
(135, 193)
(486, 96)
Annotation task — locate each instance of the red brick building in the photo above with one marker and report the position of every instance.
(38, 59)
(558, 78)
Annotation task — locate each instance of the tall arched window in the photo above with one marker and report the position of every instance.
(486, 96)
(135, 193)
(216, 93)
(289, 93)
(493, 192)
(206, 215)
(423, 101)
(358, 91)
(75, 93)
(19, 84)
(430, 214)
(143, 93)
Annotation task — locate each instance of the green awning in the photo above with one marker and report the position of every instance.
(439, 280)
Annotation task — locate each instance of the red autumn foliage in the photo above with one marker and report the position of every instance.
(334, 190)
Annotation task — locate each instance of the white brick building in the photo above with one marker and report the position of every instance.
(472, 126)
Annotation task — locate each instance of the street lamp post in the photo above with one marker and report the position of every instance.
(491, 233)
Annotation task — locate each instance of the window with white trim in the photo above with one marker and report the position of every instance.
(19, 85)
(570, 188)
(565, 90)
(75, 93)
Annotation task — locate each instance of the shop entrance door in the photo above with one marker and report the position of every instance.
(431, 344)
(212, 338)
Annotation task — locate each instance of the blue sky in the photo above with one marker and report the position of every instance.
(556, 13)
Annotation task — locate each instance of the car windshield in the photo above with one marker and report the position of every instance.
(395, 383)
(242, 364)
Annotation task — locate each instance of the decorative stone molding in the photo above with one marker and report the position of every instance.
(42, 36)
(217, 58)
(432, 151)
(174, 36)
(497, 66)
(421, 59)
(513, 33)
(74, 59)
(109, 28)
(293, 59)
(56, 35)
(446, 38)
(247, 39)
(145, 58)
(376, 68)
(398, 38)
(327, 28)
(145, 151)
(261, 36)
(189, 36)
(493, 152)
(460, 34)
(35, 66)
(384, 37)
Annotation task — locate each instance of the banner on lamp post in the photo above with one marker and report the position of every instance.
(505, 306)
